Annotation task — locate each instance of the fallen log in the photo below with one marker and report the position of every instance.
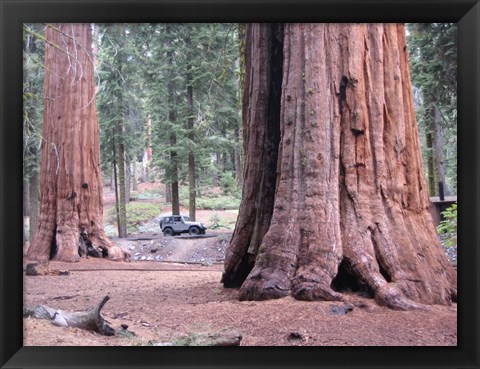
(224, 338)
(90, 320)
(43, 268)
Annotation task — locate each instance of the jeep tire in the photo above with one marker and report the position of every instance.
(168, 232)
(194, 231)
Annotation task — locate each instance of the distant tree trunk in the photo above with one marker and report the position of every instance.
(168, 193)
(128, 182)
(147, 152)
(115, 179)
(135, 174)
(239, 152)
(122, 200)
(145, 166)
(438, 144)
(149, 138)
(30, 200)
(33, 188)
(26, 207)
(71, 199)
(112, 178)
(238, 158)
(191, 135)
(26, 198)
(334, 195)
(224, 154)
(174, 183)
(429, 140)
(231, 159)
(172, 116)
(219, 166)
(120, 138)
(192, 194)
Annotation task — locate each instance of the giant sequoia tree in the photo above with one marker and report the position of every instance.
(334, 193)
(71, 208)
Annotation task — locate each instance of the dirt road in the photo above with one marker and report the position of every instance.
(206, 249)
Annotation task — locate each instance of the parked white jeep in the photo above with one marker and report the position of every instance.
(176, 224)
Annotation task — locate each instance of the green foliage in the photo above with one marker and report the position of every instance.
(211, 201)
(214, 221)
(228, 183)
(137, 214)
(433, 65)
(120, 99)
(33, 72)
(210, 66)
(147, 195)
(448, 226)
(217, 222)
(218, 203)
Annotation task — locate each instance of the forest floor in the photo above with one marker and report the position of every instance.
(172, 288)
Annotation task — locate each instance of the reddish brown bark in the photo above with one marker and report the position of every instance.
(261, 135)
(71, 199)
(351, 205)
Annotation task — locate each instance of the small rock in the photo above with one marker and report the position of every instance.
(340, 309)
(295, 336)
(124, 332)
(361, 305)
(156, 343)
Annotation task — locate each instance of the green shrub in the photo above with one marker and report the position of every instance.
(214, 221)
(137, 214)
(228, 184)
(147, 195)
(183, 195)
(211, 201)
(218, 203)
(151, 176)
(448, 226)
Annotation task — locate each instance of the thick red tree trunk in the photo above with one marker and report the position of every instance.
(350, 200)
(71, 199)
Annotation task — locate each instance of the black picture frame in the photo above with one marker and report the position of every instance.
(14, 13)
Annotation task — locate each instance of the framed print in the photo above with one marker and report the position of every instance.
(298, 348)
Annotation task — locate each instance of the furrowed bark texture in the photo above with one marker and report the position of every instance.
(71, 207)
(261, 108)
(351, 203)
